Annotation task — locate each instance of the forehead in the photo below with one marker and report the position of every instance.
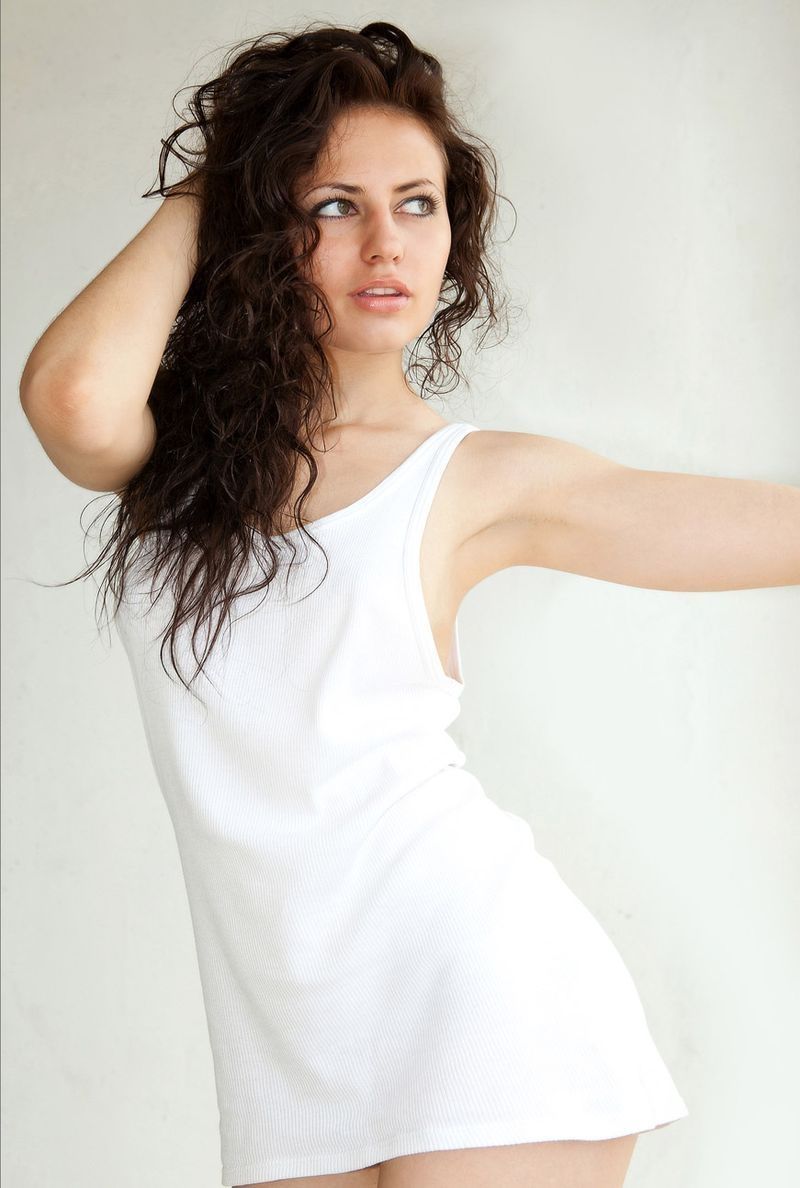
(377, 147)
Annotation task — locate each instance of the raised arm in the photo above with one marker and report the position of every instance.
(85, 385)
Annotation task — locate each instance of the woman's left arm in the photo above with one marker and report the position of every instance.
(691, 532)
(564, 507)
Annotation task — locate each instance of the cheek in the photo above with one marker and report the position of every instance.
(327, 267)
(435, 249)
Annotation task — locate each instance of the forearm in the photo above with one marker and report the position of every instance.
(94, 366)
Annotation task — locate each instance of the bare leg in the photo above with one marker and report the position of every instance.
(366, 1177)
(576, 1163)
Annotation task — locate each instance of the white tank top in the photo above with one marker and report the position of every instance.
(387, 963)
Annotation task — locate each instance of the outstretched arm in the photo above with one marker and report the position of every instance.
(558, 505)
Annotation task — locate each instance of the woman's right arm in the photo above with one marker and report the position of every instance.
(86, 382)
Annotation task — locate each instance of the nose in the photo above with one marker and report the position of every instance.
(381, 238)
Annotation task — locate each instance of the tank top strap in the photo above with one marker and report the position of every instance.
(432, 465)
(415, 513)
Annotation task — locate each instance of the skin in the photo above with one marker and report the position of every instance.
(572, 1164)
(368, 235)
(378, 421)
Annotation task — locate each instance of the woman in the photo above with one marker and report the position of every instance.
(401, 991)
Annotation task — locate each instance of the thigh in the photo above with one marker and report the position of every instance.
(365, 1177)
(576, 1163)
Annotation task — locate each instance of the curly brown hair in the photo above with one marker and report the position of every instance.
(243, 374)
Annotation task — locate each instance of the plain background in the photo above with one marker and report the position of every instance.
(649, 737)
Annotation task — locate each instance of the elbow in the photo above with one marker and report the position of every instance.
(59, 409)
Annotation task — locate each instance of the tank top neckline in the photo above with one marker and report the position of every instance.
(374, 492)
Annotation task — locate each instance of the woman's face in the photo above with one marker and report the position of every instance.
(373, 225)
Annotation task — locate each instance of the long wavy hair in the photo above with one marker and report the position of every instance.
(243, 376)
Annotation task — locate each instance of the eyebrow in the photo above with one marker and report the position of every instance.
(334, 185)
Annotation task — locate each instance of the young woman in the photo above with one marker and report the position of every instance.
(401, 991)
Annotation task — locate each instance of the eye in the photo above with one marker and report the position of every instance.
(430, 199)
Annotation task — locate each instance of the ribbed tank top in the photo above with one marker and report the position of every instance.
(387, 963)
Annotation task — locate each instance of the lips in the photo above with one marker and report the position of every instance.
(383, 282)
(381, 303)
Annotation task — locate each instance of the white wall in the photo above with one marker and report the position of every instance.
(649, 737)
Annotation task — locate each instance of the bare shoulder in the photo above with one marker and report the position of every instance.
(503, 476)
(514, 495)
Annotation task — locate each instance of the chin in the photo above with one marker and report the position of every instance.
(377, 338)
